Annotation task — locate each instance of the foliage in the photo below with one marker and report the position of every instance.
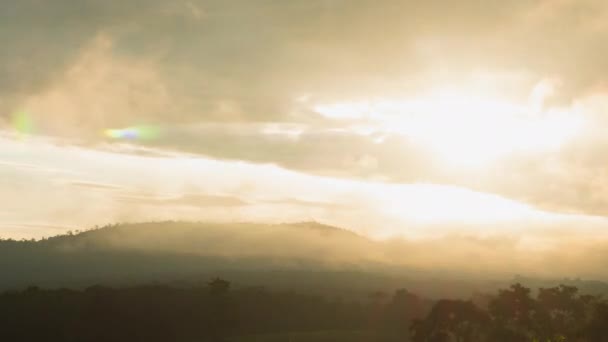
(218, 312)
(556, 314)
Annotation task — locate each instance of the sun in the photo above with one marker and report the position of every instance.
(467, 129)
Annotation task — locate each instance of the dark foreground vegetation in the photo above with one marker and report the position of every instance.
(216, 312)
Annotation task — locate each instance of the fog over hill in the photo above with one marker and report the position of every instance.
(296, 255)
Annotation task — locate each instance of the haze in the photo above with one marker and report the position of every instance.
(394, 119)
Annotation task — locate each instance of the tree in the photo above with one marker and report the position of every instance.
(450, 320)
(221, 319)
(597, 327)
(513, 312)
(219, 287)
(403, 308)
(562, 311)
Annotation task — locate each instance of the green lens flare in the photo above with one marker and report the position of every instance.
(133, 133)
(22, 123)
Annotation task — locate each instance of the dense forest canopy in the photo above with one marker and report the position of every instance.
(216, 312)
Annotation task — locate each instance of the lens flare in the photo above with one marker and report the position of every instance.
(133, 133)
(22, 123)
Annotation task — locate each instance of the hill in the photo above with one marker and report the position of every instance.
(300, 256)
(185, 252)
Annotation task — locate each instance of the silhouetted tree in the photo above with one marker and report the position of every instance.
(222, 316)
(403, 308)
(448, 320)
(596, 329)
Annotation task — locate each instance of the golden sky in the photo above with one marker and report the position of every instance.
(392, 118)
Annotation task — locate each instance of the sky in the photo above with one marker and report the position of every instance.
(394, 119)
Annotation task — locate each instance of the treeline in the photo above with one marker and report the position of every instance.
(514, 314)
(215, 312)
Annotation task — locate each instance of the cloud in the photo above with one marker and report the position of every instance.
(323, 151)
(189, 200)
(571, 179)
(141, 188)
(236, 82)
(241, 62)
(32, 167)
(94, 186)
(98, 91)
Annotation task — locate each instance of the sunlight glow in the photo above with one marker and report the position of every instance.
(272, 194)
(441, 204)
(465, 129)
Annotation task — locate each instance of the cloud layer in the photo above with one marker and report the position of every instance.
(229, 85)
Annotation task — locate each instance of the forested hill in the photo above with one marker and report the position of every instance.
(309, 256)
(295, 240)
(304, 255)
